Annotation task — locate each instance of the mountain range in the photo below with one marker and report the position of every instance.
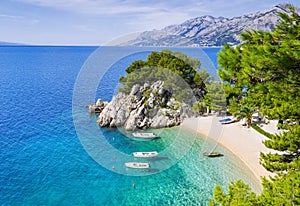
(208, 31)
(2, 43)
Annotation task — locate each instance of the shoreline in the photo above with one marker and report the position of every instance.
(245, 143)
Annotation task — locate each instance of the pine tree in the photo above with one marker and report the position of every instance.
(264, 72)
(239, 193)
(178, 71)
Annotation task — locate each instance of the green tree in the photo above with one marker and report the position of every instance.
(281, 190)
(239, 193)
(197, 107)
(245, 111)
(287, 142)
(215, 97)
(136, 65)
(264, 72)
(162, 66)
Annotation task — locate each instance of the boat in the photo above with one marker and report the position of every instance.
(148, 135)
(212, 154)
(145, 154)
(227, 120)
(137, 165)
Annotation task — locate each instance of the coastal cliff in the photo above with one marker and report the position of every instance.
(146, 106)
(159, 92)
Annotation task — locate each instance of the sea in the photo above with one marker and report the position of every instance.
(54, 153)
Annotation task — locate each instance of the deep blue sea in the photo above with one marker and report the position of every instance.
(53, 153)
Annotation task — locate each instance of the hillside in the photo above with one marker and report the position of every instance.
(2, 43)
(209, 30)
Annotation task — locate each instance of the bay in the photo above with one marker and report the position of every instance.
(43, 160)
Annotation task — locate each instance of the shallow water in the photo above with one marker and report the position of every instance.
(45, 162)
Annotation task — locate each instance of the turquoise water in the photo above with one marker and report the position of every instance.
(45, 162)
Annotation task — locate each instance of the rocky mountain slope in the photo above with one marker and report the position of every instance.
(209, 31)
(2, 43)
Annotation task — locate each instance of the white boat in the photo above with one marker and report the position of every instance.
(137, 165)
(144, 135)
(228, 120)
(145, 154)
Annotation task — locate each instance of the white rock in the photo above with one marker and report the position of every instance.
(132, 112)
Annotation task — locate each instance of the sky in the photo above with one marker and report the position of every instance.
(97, 22)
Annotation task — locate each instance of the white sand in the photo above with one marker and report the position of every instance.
(244, 142)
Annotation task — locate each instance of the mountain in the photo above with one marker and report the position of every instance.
(2, 43)
(209, 30)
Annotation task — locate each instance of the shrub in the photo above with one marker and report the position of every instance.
(261, 131)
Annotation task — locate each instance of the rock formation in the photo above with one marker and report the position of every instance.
(97, 107)
(147, 106)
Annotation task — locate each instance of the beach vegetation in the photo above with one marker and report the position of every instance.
(239, 193)
(184, 66)
(263, 132)
(245, 111)
(282, 189)
(215, 98)
(197, 107)
(264, 73)
(178, 71)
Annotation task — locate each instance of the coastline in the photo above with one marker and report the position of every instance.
(245, 143)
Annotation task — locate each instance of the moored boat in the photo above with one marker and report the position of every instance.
(145, 154)
(137, 165)
(145, 135)
(212, 154)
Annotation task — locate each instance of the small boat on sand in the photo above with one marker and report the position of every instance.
(212, 154)
(145, 154)
(227, 120)
(137, 165)
(148, 135)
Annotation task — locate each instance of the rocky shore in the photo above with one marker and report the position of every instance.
(97, 107)
(146, 106)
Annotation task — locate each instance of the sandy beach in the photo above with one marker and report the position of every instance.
(245, 143)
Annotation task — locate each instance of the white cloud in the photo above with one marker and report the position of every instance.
(16, 18)
(121, 7)
(140, 15)
(94, 6)
(84, 28)
(157, 20)
(11, 17)
(104, 19)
